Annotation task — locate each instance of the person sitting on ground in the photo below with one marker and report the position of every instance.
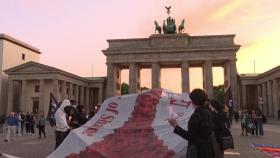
(200, 128)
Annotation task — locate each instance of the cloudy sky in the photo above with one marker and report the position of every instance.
(71, 33)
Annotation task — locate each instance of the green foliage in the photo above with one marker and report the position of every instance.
(124, 88)
(219, 93)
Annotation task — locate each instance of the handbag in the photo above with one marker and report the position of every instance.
(228, 142)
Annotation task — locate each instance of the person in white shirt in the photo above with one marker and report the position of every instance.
(62, 127)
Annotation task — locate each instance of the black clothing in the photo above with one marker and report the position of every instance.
(42, 130)
(219, 124)
(199, 131)
(59, 137)
(28, 123)
(81, 118)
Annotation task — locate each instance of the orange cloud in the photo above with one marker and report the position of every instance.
(226, 10)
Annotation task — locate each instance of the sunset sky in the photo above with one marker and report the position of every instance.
(71, 33)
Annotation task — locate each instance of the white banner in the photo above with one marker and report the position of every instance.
(131, 126)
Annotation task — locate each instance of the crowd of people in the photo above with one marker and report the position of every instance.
(15, 123)
(208, 133)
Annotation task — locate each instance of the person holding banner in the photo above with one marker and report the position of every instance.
(62, 127)
(200, 128)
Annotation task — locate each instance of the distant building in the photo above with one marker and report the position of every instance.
(261, 91)
(13, 52)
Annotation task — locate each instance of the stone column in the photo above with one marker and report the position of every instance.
(10, 96)
(244, 96)
(269, 98)
(63, 90)
(208, 78)
(55, 89)
(42, 96)
(82, 96)
(87, 97)
(100, 95)
(233, 84)
(113, 80)
(23, 95)
(259, 89)
(275, 92)
(185, 77)
(264, 96)
(156, 75)
(77, 94)
(70, 95)
(133, 78)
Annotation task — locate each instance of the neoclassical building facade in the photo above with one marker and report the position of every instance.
(30, 84)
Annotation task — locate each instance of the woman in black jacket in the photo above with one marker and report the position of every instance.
(199, 128)
(219, 126)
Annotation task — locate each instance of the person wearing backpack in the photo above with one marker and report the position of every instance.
(219, 126)
(200, 128)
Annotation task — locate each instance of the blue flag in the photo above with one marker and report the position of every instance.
(53, 106)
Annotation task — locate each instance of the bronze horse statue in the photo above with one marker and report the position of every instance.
(157, 28)
(181, 27)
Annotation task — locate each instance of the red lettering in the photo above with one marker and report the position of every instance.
(113, 105)
(112, 110)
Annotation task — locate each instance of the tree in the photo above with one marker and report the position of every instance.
(219, 93)
(124, 88)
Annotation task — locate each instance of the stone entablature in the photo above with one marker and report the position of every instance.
(173, 41)
(172, 48)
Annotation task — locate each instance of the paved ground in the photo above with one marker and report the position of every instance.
(31, 147)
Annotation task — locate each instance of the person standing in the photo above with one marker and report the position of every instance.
(18, 115)
(200, 128)
(255, 123)
(244, 122)
(278, 114)
(2, 123)
(62, 127)
(41, 124)
(260, 122)
(81, 115)
(22, 121)
(27, 123)
(219, 126)
(32, 123)
(12, 122)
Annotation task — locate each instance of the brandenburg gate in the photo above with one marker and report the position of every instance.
(171, 51)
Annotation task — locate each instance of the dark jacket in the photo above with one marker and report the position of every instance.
(219, 124)
(199, 131)
(82, 118)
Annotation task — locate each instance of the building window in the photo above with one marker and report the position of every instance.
(67, 91)
(60, 89)
(23, 56)
(35, 108)
(73, 92)
(37, 88)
